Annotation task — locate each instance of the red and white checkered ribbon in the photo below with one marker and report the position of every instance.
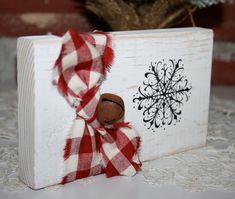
(90, 148)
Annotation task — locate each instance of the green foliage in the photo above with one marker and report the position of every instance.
(205, 3)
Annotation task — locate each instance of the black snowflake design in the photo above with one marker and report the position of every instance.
(163, 93)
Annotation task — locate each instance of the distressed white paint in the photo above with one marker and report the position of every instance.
(45, 116)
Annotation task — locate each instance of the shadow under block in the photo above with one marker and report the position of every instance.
(44, 116)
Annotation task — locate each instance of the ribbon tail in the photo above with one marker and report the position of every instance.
(80, 157)
(119, 149)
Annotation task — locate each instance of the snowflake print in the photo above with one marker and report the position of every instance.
(163, 93)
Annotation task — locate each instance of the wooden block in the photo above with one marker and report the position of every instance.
(45, 116)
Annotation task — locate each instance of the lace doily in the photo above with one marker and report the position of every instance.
(211, 167)
(8, 142)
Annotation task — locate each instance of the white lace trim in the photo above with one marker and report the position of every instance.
(211, 167)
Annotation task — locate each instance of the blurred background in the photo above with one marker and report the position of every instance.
(38, 17)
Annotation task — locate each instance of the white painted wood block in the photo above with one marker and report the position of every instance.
(45, 117)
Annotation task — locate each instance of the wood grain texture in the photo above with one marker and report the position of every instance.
(26, 111)
(134, 51)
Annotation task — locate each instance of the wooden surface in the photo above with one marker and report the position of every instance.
(26, 112)
(45, 116)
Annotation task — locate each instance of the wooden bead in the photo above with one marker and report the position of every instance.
(110, 109)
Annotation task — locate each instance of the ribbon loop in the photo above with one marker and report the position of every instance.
(90, 148)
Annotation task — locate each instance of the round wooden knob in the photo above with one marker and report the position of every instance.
(110, 109)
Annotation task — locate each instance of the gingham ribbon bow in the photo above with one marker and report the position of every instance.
(90, 148)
